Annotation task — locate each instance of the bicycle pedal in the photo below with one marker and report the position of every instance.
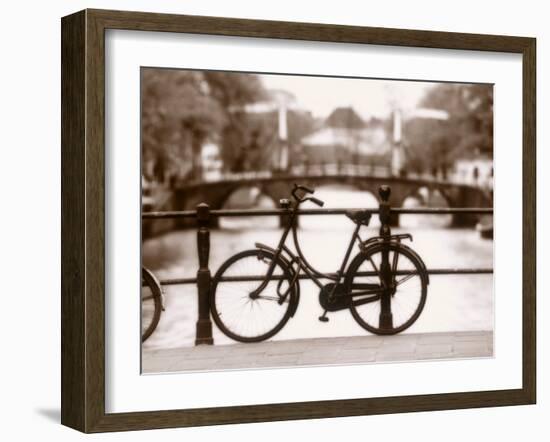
(323, 319)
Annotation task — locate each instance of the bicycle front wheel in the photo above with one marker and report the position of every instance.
(238, 310)
(151, 304)
(407, 297)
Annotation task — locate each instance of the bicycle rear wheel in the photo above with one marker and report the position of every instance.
(247, 318)
(151, 304)
(365, 285)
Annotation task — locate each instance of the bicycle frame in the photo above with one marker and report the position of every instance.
(316, 276)
(303, 264)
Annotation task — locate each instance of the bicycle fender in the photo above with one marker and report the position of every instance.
(410, 250)
(262, 246)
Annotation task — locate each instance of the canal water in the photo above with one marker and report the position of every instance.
(454, 303)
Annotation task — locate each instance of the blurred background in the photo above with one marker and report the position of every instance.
(238, 140)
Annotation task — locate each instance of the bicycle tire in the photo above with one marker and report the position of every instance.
(219, 311)
(353, 276)
(156, 296)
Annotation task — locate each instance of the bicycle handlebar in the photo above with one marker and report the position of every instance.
(315, 201)
(301, 199)
(304, 188)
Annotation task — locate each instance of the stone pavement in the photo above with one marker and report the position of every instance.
(321, 351)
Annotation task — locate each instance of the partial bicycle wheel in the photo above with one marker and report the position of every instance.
(242, 313)
(151, 303)
(407, 297)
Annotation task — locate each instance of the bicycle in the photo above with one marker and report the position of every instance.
(152, 303)
(255, 292)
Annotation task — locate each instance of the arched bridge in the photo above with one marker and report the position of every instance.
(216, 193)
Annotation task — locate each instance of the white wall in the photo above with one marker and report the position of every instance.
(30, 241)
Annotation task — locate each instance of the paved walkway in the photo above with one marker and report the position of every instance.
(321, 351)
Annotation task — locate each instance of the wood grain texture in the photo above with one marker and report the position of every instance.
(73, 129)
(95, 221)
(529, 220)
(83, 218)
(144, 21)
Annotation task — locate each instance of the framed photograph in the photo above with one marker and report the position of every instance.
(269, 220)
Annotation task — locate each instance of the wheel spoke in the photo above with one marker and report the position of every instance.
(406, 278)
(260, 317)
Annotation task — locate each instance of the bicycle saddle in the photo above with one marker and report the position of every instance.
(359, 216)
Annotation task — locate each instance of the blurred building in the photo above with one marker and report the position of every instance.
(345, 138)
(211, 162)
(474, 171)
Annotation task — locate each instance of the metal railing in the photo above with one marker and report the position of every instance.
(203, 216)
(190, 214)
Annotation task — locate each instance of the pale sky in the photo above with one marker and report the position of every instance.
(321, 95)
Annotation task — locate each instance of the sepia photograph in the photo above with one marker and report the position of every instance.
(300, 220)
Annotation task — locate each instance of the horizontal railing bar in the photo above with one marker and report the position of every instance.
(445, 211)
(278, 212)
(460, 271)
(448, 271)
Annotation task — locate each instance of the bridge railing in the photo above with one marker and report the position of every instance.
(313, 170)
(334, 169)
(203, 217)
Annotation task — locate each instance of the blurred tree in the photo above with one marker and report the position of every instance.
(257, 136)
(248, 141)
(300, 124)
(437, 144)
(182, 109)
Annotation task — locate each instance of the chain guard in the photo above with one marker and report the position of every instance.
(339, 301)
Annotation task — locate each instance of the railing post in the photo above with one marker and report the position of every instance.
(386, 317)
(204, 324)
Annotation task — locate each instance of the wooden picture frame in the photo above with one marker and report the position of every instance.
(83, 220)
